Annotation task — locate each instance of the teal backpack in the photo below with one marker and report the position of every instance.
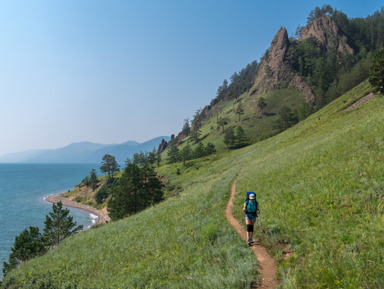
(253, 214)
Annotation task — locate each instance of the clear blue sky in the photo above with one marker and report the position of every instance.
(113, 71)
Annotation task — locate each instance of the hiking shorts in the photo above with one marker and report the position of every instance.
(250, 217)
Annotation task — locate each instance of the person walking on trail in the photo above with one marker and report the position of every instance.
(251, 210)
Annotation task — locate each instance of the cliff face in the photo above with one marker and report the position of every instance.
(274, 73)
(327, 34)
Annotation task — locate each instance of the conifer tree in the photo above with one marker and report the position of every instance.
(199, 151)
(240, 110)
(28, 244)
(109, 165)
(137, 188)
(241, 138)
(93, 181)
(261, 104)
(59, 225)
(376, 71)
(158, 158)
(210, 148)
(229, 137)
(152, 157)
(195, 134)
(223, 122)
(185, 153)
(186, 127)
(173, 153)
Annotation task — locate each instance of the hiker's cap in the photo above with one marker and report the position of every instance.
(252, 196)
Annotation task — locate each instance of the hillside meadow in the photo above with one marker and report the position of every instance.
(182, 242)
(321, 189)
(321, 192)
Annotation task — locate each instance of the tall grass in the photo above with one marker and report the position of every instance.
(184, 242)
(321, 190)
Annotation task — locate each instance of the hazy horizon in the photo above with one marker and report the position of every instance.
(108, 72)
(80, 142)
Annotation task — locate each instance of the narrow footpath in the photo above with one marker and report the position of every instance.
(266, 262)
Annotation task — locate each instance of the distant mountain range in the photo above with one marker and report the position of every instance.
(83, 152)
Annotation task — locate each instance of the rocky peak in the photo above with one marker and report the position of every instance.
(278, 49)
(327, 33)
(162, 146)
(274, 73)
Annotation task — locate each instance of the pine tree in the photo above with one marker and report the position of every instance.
(158, 158)
(173, 153)
(229, 137)
(223, 122)
(186, 127)
(199, 151)
(195, 134)
(241, 138)
(152, 157)
(261, 104)
(240, 110)
(59, 225)
(28, 244)
(93, 181)
(210, 148)
(185, 153)
(137, 188)
(109, 165)
(287, 118)
(376, 71)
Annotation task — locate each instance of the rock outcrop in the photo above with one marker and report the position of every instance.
(327, 34)
(274, 73)
(162, 146)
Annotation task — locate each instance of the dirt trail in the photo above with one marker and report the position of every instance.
(266, 262)
(362, 100)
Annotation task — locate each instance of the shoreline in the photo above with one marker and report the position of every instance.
(102, 218)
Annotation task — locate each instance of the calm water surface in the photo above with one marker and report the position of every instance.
(23, 188)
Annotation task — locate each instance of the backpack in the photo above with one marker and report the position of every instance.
(247, 201)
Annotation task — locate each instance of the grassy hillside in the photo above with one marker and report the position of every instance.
(257, 125)
(321, 192)
(183, 242)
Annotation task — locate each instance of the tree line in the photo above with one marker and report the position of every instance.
(137, 188)
(330, 73)
(240, 82)
(187, 153)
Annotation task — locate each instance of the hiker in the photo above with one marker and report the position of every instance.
(251, 210)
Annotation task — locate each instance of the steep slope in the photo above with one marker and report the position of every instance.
(321, 192)
(275, 74)
(275, 71)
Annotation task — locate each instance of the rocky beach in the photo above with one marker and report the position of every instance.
(102, 216)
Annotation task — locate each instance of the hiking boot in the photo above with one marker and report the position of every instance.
(249, 241)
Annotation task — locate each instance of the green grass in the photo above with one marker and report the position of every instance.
(321, 191)
(183, 242)
(257, 126)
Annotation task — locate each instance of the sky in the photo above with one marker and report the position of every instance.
(118, 70)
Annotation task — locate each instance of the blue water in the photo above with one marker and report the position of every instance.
(22, 191)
